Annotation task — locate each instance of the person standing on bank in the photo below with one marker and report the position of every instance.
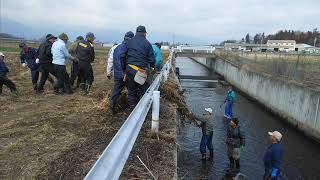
(230, 100)
(118, 70)
(75, 65)
(86, 55)
(273, 157)
(139, 59)
(235, 143)
(60, 54)
(207, 133)
(29, 58)
(157, 55)
(45, 59)
(4, 80)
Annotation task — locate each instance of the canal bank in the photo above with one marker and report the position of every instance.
(300, 153)
(294, 102)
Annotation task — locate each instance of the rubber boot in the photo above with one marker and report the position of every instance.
(87, 89)
(238, 164)
(203, 156)
(231, 162)
(35, 86)
(211, 155)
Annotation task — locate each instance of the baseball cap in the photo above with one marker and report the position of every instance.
(208, 110)
(50, 36)
(276, 134)
(141, 29)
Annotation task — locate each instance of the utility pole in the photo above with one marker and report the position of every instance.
(173, 38)
(314, 42)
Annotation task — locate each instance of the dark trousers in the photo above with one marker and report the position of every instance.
(116, 92)
(45, 69)
(7, 82)
(34, 76)
(75, 73)
(63, 78)
(135, 90)
(206, 142)
(86, 72)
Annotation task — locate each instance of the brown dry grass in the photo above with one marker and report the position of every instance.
(60, 137)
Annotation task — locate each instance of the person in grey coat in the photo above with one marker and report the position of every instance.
(235, 143)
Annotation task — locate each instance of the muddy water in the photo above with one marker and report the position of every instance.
(302, 156)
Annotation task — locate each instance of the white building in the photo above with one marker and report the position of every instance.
(281, 45)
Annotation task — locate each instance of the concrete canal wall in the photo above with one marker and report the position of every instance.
(297, 104)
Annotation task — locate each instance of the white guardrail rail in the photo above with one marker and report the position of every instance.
(110, 164)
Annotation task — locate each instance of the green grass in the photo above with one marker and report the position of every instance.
(9, 49)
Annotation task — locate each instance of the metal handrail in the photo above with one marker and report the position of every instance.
(110, 164)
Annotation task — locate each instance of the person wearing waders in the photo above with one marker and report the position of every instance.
(4, 79)
(235, 143)
(230, 100)
(207, 133)
(273, 157)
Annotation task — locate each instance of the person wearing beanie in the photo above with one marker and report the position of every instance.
(4, 80)
(207, 133)
(157, 55)
(75, 65)
(45, 61)
(86, 55)
(230, 100)
(273, 157)
(60, 55)
(139, 61)
(118, 70)
(29, 58)
(235, 143)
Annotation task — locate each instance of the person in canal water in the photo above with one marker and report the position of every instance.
(273, 157)
(230, 100)
(207, 133)
(235, 143)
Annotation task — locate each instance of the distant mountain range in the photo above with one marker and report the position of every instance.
(17, 29)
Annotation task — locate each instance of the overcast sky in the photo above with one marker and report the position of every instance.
(201, 21)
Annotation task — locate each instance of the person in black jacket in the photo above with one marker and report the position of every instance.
(45, 59)
(86, 55)
(138, 59)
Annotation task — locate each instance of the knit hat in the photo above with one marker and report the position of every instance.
(90, 35)
(128, 35)
(63, 36)
(50, 36)
(208, 110)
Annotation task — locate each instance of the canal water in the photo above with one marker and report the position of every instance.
(301, 155)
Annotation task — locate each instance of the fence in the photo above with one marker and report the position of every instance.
(303, 68)
(111, 162)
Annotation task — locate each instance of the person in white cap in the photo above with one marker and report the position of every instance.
(273, 157)
(3, 77)
(207, 133)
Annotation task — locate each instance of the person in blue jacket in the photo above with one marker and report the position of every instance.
(3, 77)
(29, 58)
(273, 157)
(138, 60)
(118, 70)
(157, 55)
(230, 100)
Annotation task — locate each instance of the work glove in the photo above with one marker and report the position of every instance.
(24, 64)
(274, 173)
(37, 60)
